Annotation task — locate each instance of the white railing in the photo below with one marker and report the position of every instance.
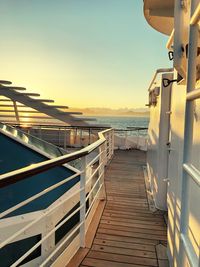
(155, 75)
(88, 192)
(65, 136)
(73, 137)
(131, 138)
(170, 41)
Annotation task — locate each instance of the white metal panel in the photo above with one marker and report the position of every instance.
(157, 155)
(175, 171)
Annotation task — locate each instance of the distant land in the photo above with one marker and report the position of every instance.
(137, 112)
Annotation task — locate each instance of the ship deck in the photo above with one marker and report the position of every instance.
(125, 233)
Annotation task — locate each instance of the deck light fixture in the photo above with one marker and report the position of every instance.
(166, 82)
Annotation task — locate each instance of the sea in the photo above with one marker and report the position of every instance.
(121, 122)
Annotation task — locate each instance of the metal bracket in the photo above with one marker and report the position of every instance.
(166, 180)
(183, 4)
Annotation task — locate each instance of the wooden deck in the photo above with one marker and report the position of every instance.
(128, 234)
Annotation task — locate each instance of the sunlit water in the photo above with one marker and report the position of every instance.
(122, 122)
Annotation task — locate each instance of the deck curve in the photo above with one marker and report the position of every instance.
(128, 234)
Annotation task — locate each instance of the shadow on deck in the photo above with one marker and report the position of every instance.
(128, 233)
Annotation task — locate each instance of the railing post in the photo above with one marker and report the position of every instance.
(138, 138)
(110, 144)
(49, 244)
(113, 141)
(107, 147)
(81, 132)
(65, 139)
(126, 141)
(104, 148)
(82, 201)
(40, 132)
(102, 171)
(59, 136)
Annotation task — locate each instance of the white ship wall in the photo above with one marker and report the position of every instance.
(175, 172)
(183, 197)
(166, 162)
(191, 201)
(158, 137)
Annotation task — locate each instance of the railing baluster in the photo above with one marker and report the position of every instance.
(110, 144)
(83, 201)
(113, 141)
(65, 139)
(101, 173)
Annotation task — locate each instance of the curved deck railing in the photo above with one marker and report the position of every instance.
(46, 222)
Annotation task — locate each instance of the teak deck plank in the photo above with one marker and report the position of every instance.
(122, 258)
(105, 263)
(127, 239)
(124, 251)
(132, 229)
(130, 224)
(120, 244)
(128, 233)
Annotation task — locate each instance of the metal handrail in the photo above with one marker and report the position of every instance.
(170, 40)
(157, 72)
(21, 174)
(61, 126)
(193, 95)
(104, 144)
(196, 16)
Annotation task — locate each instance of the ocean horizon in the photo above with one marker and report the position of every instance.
(121, 122)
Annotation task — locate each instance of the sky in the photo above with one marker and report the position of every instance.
(82, 53)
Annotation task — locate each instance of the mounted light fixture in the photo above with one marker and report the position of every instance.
(171, 55)
(166, 82)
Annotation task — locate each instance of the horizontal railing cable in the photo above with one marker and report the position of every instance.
(46, 236)
(93, 187)
(28, 200)
(61, 244)
(93, 201)
(45, 213)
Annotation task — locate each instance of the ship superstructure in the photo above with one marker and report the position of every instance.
(176, 163)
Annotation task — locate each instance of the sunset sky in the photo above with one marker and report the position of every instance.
(82, 53)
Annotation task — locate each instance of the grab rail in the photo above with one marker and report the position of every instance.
(156, 73)
(170, 41)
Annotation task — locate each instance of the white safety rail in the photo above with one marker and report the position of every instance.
(170, 41)
(76, 137)
(85, 195)
(135, 138)
(65, 136)
(191, 176)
